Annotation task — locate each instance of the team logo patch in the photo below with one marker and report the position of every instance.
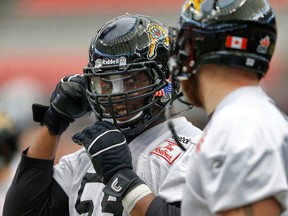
(156, 33)
(169, 149)
(264, 44)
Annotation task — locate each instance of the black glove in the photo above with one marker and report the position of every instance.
(68, 101)
(110, 156)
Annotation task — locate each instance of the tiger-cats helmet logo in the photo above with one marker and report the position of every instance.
(197, 8)
(156, 33)
(196, 5)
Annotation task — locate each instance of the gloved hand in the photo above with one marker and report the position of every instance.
(107, 148)
(112, 161)
(68, 101)
(110, 156)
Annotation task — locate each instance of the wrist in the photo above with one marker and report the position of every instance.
(128, 186)
(45, 116)
(136, 194)
(122, 183)
(56, 126)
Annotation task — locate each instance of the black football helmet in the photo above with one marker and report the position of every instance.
(237, 33)
(127, 76)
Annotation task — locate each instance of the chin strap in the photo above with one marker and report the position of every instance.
(169, 115)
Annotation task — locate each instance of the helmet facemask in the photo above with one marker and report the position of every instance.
(126, 96)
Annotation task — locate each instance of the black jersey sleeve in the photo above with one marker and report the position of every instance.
(159, 207)
(34, 191)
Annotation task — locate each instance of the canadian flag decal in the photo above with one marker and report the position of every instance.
(236, 42)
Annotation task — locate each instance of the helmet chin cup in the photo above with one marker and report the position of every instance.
(131, 119)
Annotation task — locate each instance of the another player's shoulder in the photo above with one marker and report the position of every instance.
(248, 114)
(76, 158)
(247, 105)
(186, 127)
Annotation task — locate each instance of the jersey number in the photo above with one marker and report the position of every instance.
(109, 204)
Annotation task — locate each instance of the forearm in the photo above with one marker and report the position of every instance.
(142, 205)
(137, 197)
(34, 191)
(151, 205)
(44, 146)
(140, 201)
(30, 187)
(137, 201)
(265, 207)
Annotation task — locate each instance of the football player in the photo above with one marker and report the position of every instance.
(126, 84)
(240, 165)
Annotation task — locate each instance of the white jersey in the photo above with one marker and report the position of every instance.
(158, 161)
(241, 158)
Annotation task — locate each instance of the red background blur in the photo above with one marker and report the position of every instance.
(44, 40)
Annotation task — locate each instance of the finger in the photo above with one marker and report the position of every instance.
(78, 138)
(77, 78)
(73, 78)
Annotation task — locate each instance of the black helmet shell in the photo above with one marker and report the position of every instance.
(130, 44)
(237, 33)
